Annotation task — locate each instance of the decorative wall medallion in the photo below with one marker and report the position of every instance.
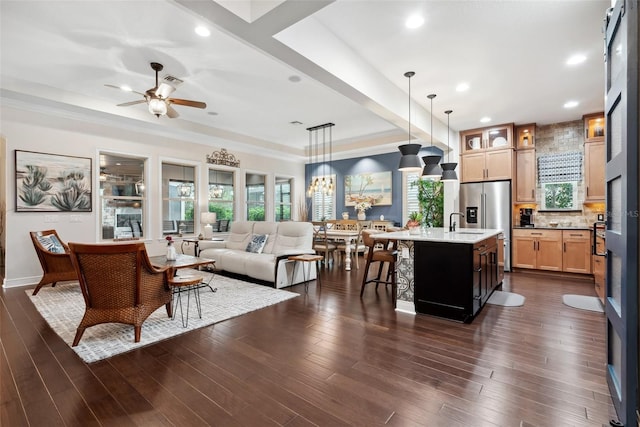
(222, 157)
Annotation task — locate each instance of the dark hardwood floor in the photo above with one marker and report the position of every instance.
(326, 358)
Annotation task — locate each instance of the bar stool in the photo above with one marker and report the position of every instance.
(382, 252)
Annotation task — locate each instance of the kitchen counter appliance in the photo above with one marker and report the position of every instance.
(526, 217)
(488, 205)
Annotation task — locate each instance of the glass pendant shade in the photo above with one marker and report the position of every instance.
(409, 160)
(158, 107)
(432, 169)
(449, 172)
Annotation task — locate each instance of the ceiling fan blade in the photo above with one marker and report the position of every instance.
(187, 103)
(123, 90)
(164, 90)
(127, 104)
(171, 112)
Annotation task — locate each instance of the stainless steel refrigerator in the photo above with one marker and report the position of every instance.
(488, 205)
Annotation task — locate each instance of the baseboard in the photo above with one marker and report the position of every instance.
(22, 281)
(405, 307)
(578, 277)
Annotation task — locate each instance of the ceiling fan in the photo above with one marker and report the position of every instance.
(158, 97)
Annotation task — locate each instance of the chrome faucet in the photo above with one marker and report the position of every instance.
(452, 224)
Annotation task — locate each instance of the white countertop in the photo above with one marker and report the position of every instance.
(439, 234)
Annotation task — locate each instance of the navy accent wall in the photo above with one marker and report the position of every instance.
(375, 163)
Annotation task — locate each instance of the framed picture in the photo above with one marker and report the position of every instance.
(559, 196)
(374, 188)
(52, 183)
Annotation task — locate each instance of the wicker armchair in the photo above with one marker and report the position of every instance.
(119, 285)
(56, 266)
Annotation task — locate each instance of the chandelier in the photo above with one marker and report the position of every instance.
(216, 191)
(324, 185)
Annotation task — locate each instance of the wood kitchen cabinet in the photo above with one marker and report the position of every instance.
(594, 169)
(576, 251)
(537, 249)
(487, 154)
(594, 127)
(525, 176)
(526, 136)
(600, 267)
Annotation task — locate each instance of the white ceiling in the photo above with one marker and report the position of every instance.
(349, 57)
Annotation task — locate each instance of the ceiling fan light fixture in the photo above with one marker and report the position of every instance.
(158, 107)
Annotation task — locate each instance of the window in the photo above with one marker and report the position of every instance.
(122, 196)
(221, 194)
(178, 199)
(283, 199)
(254, 190)
(323, 204)
(410, 191)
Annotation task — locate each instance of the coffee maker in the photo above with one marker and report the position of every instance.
(526, 217)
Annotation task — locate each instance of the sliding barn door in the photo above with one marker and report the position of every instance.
(621, 302)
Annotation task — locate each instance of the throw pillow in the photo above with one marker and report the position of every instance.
(257, 242)
(51, 243)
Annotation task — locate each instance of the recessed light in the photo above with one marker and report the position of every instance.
(485, 119)
(212, 113)
(414, 21)
(570, 104)
(462, 87)
(202, 31)
(576, 59)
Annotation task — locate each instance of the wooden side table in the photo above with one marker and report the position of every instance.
(188, 284)
(306, 258)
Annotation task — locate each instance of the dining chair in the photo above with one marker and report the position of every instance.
(119, 285)
(54, 258)
(321, 244)
(384, 252)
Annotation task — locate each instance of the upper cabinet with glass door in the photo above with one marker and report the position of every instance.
(594, 127)
(526, 136)
(489, 138)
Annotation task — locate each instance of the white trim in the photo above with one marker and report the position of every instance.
(405, 307)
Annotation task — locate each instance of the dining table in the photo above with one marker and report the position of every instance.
(349, 238)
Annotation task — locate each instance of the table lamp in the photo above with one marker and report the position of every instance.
(208, 218)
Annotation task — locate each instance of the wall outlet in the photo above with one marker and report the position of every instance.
(51, 218)
(600, 217)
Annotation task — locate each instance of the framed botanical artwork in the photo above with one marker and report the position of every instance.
(373, 188)
(52, 182)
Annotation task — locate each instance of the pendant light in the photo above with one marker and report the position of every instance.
(432, 169)
(324, 185)
(409, 160)
(448, 169)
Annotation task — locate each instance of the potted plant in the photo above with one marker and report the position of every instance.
(414, 222)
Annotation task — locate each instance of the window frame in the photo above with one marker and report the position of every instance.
(178, 230)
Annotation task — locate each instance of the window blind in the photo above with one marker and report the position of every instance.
(560, 167)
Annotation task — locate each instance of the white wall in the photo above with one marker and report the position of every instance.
(32, 131)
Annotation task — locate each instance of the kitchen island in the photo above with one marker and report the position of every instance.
(446, 274)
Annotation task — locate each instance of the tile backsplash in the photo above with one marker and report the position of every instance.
(561, 138)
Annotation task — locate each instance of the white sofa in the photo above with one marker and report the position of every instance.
(271, 265)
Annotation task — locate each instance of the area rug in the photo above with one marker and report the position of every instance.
(583, 302)
(63, 307)
(507, 299)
